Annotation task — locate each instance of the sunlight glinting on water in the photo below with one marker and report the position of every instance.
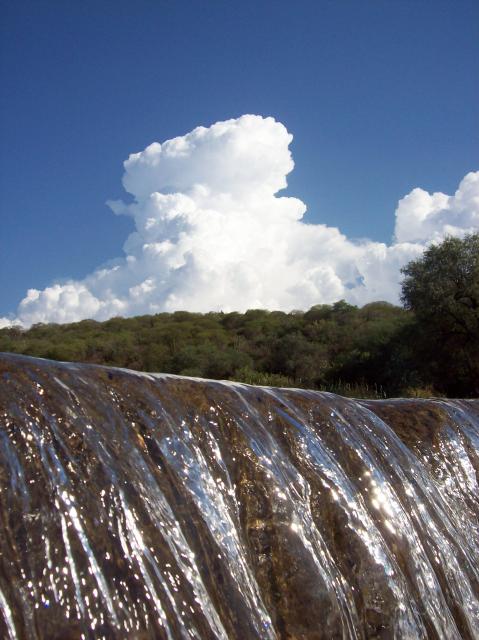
(147, 506)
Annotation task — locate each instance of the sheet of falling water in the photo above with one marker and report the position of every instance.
(142, 506)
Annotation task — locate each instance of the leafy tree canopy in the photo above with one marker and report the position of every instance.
(429, 347)
(442, 289)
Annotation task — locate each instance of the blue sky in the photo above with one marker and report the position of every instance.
(381, 97)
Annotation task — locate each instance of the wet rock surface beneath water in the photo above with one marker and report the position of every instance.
(141, 506)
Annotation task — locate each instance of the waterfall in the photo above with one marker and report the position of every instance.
(137, 505)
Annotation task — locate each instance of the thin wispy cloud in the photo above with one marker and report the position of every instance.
(212, 232)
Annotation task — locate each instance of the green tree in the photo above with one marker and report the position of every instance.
(442, 289)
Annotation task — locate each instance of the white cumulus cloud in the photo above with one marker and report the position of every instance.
(212, 233)
(6, 323)
(422, 217)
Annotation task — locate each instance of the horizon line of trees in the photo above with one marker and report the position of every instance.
(428, 347)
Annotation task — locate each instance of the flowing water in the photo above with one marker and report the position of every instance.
(147, 506)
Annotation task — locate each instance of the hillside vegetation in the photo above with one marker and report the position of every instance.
(355, 351)
(429, 347)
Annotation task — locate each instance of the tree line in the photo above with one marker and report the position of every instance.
(430, 346)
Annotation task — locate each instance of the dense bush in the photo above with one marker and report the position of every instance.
(429, 347)
(334, 347)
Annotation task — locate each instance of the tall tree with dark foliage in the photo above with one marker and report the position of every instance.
(442, 288)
